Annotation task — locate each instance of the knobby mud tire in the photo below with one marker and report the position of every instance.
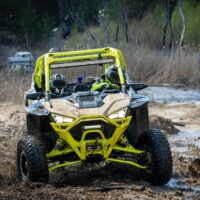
(31, 160)
(160, 170)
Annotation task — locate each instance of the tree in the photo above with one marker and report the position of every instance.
(169, 6)
(183, 22)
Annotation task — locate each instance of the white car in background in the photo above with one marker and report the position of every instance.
(21, 60)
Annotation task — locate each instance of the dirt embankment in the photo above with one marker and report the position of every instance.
(104, 181)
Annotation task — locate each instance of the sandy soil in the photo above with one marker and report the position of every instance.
(108, 181)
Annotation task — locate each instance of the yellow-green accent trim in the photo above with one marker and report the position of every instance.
(63, 130)
(64, 165)
(107, 144)
(127, 162)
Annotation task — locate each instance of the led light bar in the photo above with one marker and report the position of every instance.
(81, 63)
(92, 127)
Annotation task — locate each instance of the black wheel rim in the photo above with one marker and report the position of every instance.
(149, 160)
(24, 167)
(146, 159)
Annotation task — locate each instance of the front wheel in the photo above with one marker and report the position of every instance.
(31, 161)
(157, 157)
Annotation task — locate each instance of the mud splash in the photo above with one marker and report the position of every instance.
(164, 124)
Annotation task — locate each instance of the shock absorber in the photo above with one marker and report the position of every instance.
(123, 141)
(60, 144)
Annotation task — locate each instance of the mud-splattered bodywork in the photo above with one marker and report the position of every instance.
(92, 131)
(90, 125)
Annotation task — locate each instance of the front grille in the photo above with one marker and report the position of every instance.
(78, 130)
(87, 98)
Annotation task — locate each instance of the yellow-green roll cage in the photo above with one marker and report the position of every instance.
(76, 58)
(104, 56)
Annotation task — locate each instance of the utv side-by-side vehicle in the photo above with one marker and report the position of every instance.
(90, 121)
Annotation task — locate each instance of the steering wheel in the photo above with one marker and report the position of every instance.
(82, 87)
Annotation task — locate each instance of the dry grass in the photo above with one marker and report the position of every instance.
(150, 65)
(180, 67)
(13, 84)
(144, 64)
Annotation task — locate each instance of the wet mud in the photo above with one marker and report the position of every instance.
(108, 180)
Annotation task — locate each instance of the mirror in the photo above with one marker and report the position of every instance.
(137, 86)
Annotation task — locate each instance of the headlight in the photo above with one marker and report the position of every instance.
(119, 114)
(62, 119)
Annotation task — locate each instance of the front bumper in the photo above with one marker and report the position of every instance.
(86, 146)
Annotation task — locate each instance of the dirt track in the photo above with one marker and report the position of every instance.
(107, 181)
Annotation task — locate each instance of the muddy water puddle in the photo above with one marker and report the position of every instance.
(184, 140)
(178, 184)
(172, 95)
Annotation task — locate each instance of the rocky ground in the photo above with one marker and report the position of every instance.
(108, 181)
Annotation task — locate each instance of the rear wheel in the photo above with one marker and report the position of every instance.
(31, 161)
(157, 157)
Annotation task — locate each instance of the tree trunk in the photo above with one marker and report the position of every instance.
(169, 7)
(60, 11)
(126, 32)
(117, 15)
(26, 36)
(125, 20)
(183, 22)
(117, 33)
(164, 34)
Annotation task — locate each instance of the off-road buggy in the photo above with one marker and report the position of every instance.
(86, 126)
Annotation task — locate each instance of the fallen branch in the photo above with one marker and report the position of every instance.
(105, 188)
(178, 123)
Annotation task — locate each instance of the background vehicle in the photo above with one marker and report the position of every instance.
(87, 126)
(21, 60)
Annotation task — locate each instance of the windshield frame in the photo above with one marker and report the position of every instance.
(106, 55)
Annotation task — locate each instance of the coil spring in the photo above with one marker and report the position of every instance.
(123, 141)
(60, 144)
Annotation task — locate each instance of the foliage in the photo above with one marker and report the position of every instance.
(192, 12)
(139, 22)
(24, 22)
